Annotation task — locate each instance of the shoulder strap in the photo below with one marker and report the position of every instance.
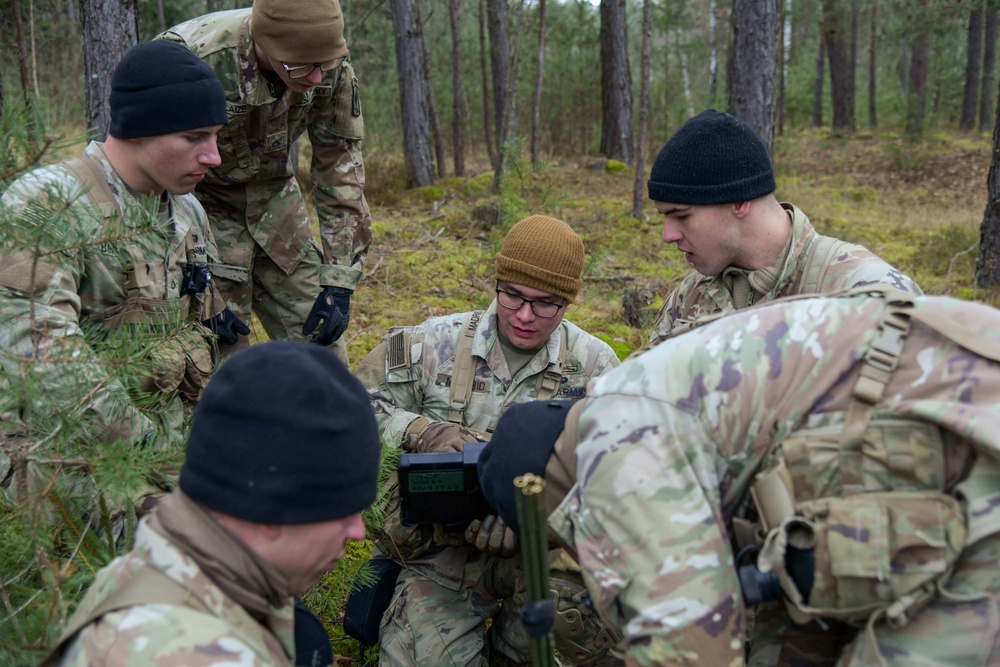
(90, 175)
(551, 377)
(148, 586)
(461, 377)
(819, 257)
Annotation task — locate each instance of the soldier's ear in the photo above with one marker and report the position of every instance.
(741, 209)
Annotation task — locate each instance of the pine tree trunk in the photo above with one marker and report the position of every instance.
(872, 69)
(490, 147)
(987, 92)
(413, 92)
(835, 28)
(817, 116)
(431, 108)
(616, 83)
(973, 61)
(457, 114)
(916, 103)
(638, 186)
(988, 261)
(110, 29)
(752, 65)
(536, 101)
(22, 52)
(500, 60)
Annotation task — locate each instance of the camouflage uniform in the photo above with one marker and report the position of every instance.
(89, 284)
(253, 200)
(670, 442)
(209, 628)
(853, 266)
(442, 600)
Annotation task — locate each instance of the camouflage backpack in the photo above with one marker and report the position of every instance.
(856, 517)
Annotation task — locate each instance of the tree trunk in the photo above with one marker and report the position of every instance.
(413, 92)
(616, 83)
(490, 149)
(457, 114)
(22, 52)
(785, 20)
(500, 59)
(872, 69)
(752, 65)
(110, 29)
(916, 99)
(988, 261)
(536, 101)
(713, 62)
(987, 91)
(431, 108)
(835, 29)
(638, 186)
(161, 21)
(817, 118)
(973, 61)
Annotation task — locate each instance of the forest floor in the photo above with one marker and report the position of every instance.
(918, 206)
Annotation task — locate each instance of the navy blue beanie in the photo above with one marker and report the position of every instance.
(161, 87)
(714, 158)
(283, 434)
(522, 442)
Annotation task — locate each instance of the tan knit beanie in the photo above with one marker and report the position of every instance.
(300, 32)
(543, 253)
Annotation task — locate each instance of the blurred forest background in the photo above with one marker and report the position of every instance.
(479, 112)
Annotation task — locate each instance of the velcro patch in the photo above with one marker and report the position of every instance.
(397, 354)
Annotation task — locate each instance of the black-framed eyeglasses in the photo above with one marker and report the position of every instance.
(544, 309)
(302, 71)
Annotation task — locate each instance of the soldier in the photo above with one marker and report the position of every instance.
(445, 382)
(862, 431)
(124, 247)
(713, 183)
(271, 491)
(286, 71)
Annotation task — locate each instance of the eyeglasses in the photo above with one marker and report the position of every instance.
(540, 308)
(302, 71)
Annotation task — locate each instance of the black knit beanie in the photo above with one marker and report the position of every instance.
(522, 442)
(283, 434)
(161, 87)
(714, 158)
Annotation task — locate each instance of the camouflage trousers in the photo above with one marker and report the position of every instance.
(281, 301)
(429, 624)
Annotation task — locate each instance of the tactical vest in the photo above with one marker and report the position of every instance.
(184, 365)
(862, 497)
(407, 542)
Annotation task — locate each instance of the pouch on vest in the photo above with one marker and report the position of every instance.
(366, 606)
(871, 552)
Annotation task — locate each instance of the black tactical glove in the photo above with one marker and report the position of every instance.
(333, 307)
(227, 327)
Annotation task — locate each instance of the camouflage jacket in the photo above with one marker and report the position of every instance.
(421, 384)
(210, 628)
(670, 441)
(854, 266)
(112, 262)
(254, 188)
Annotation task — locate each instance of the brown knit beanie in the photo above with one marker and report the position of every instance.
(300, 32)
(543, 253)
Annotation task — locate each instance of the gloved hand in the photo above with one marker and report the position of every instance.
(227, 327)
(333, 307)
(493, 536)
(442, 437)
